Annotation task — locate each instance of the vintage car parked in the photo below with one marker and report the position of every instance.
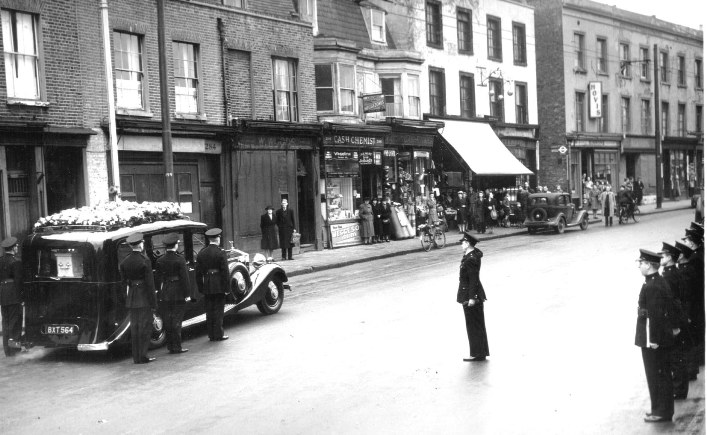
(72, 289)
(553, 211)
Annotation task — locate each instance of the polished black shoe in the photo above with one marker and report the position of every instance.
(225, 337)
(475, 358)
(656, 419)
(179, 351)
(146, 360)
(290, 258)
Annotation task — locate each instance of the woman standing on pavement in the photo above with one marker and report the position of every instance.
(267, 227)
(365, 214)
(471, 296)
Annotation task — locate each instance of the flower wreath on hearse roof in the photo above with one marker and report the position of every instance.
(111, 215)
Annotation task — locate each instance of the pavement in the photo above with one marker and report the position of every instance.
(315, 261)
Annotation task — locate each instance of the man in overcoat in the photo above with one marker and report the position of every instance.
(285, 219)
(136, 274)
(471, 296)
(174, 292)
(10, 295)
(656, 328)
(212, 281)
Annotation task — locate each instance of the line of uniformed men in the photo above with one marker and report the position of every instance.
(670, 326)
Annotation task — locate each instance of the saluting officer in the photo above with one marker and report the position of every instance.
(472, 296)
(656, 326)
(10, 295)
(212, 281)
(136, 273)
(174, 292)
(683, 342)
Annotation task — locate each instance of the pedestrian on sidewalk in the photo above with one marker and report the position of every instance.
(10, 295)
(481, 210)
(377, 207)
(608, 204)
(594, 198)
(460, 206)
(656, 327)
(365, 215)
(471, 296)
(285, 220)
(268, 242)
(385, 218)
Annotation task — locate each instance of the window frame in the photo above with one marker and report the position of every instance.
(580, 102)
(493, 38)
(461, 40)
(604, 119)
(123, 109)
(699, 115)
(520, 52)
(664, 117)
(699, 73)
(644, 70)
(625, 60)
(625, 114)
(40, 84)
(525, 116)
(681, 71)
(197, 71)
(340, 88)
(433, 24)
(234, 3)
(498, 106)
(664, 67)
(330, 88)
(293, 94)
(646, 116)
(441, 108)
(602, 54)
(682, 120)
(413, 93)
(382, 27)
(470, 110)
(580, 50)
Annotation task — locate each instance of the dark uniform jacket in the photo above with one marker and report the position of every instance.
(172, 273)
(655, 308)
(136, 273)
(470, 286)
(212, 270)
(10, 280)
(679, 292)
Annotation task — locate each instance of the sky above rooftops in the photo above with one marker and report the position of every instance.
(690, 13)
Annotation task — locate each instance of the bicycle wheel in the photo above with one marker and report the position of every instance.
(636, 215)
(440, 239)
(426, 241)
(622, 216)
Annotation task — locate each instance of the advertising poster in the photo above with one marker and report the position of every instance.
(345, 234)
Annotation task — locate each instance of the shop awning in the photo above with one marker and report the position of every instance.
(480, 148)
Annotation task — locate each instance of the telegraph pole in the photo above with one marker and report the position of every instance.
(658, 132)
(164, 97)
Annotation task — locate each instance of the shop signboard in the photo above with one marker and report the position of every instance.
(345, 234)
(353, 140)
(370, 158)
(340, 155)
(373, 103)
(595, 100)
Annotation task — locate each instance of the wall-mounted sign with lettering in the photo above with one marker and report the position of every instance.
(373, 103)
(595, 99)
(345, 234)
(353, 140)
(340, 155)
(366, 158)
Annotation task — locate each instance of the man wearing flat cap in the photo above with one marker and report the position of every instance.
(10, 295)
(136, 274)
(683, 342)
(174, 292)
(471, 296)
(656, 327)
(212, 281)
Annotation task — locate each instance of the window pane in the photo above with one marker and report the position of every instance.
(323, 76)
(185, 78)
(20, 55)
(128, 71)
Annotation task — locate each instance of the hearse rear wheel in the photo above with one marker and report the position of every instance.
(159, 334)
(274, 296)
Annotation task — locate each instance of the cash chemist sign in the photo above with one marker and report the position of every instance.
(595, 99)
(345, 234)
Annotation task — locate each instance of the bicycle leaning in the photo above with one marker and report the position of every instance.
(429, 237)
(627, 211)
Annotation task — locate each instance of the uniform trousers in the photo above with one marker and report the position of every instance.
(213, 305)
(11, 327)
(140, 332)
(679, 356)
(172, 315)
(476, 330)
(656, 363)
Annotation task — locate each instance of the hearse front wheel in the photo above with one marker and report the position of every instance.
(273, 298)
(159, 335)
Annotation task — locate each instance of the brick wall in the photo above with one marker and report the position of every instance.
(549, 51)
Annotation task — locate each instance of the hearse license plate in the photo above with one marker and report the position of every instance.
(60, 329)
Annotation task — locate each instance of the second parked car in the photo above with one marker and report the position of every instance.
(553, 211)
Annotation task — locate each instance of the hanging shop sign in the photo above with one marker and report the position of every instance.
(353, 140)
(595, 99)
(345, 234)
(389, 153)
(373, 103)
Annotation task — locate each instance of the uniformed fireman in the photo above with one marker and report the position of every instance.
(212, 281)
(136, 273)
(10, 295)
(683, 342)
(174, 292)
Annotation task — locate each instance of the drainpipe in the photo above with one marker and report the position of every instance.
(171, 194)
(114, 181)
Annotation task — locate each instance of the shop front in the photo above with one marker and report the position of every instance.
(42, 171)
(683, 168)
(352, 166)
(596, 159)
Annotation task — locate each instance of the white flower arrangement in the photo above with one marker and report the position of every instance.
(113, 214)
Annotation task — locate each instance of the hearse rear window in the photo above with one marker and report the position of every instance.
(60, 263)
(538, 201)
